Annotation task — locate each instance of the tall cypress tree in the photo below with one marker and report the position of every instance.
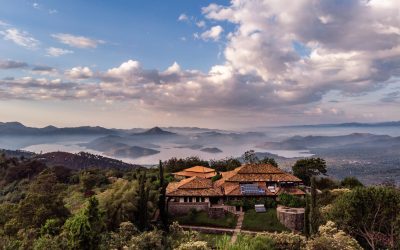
(307, 217)
(142, 203)
(161, 199)
(314, 215)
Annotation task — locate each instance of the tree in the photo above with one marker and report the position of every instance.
(307, 217)
(162, 198)
(142, 203)
(314, 213)
(84, 229)
(372, 214)
(270, 161)
(175, 164)
(250, 157)
(43, 201)
(306, 168)
(226, 164)
(351, 182)
(119, 203)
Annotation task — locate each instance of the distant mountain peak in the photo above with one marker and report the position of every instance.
(156, 131)
(14, 124)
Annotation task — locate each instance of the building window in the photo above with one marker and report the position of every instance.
(203, 199)
(185, 199)
(197, 199)
(190, 199)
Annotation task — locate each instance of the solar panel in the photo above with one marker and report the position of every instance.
(260, 208)
(251, 189)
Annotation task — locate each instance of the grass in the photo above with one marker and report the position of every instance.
(214, 239)
(202, 219)
(267, 221)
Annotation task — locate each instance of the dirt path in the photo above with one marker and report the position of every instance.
(238, 228)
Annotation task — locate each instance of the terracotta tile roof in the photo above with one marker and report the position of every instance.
(259, 169)
(259, 172)
(191, 174)
(199, 171)
(194, 186)
(197, 183)
(263, 177)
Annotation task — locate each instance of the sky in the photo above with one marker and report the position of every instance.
(218, 64)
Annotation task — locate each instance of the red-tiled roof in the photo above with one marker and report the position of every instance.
(194, 186)
(199, 171)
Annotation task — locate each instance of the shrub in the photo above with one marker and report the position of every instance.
(146, 241)
(330, 238)
(290, 200)
(351, 182)
(193, 245)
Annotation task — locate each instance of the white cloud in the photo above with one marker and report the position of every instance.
(21, 38)
(183, 17)
(262, 71)
(212, 34)
(53, 11)
(10, 64)
(79, 73)
(201, 24)
(77, 41)
(35, 6)
(56, 52)
(2, 23)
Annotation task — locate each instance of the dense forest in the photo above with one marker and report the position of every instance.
(54, 207)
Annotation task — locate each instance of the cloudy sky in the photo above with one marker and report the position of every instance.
(221, 64)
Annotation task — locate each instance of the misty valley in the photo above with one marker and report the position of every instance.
(369, 151)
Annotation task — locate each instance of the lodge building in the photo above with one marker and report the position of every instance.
(196, 189)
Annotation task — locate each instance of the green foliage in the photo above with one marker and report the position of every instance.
(202, 219)
(330, 238)
(49, 242)
(119, 203)
(162, 198)
(150, 240)
(92, 178)
(248, 203)
(226, 164)
(314, 212)
(324, 183)
(83, 230)
(52, 227)
(250, 157)
(351, 182)
(306, 168)
(371, 214)
(178, 237)
(216, 177)
(306, 229)
(175, 165)
(43, 201)
(143, 196)
(289, 200)
(270, 161)
(121, 238)
(267, 221)
(246, 242)
(193, 245)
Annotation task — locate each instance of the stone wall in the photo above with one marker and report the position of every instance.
(292, 218)
(180, 208)
(216, 212)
